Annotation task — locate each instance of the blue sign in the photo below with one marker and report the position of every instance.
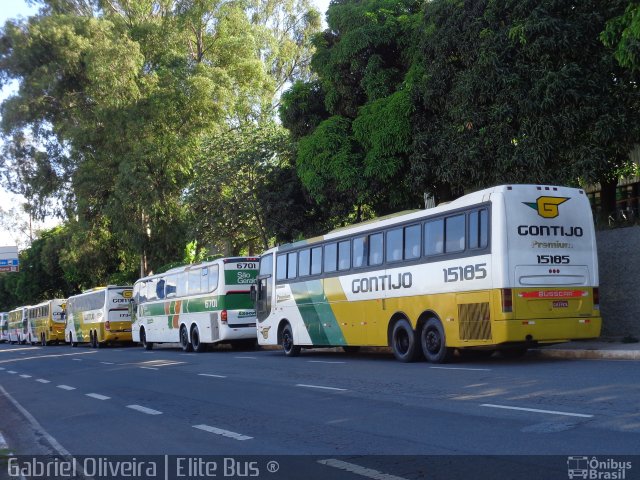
(6, 263)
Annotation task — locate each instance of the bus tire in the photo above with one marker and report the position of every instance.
(289, 348)
(184, 340)
(43, 340)
(434, 342)
(403, 342)
(95, 337)
(71, 342)
(143, 340)
(198, 346)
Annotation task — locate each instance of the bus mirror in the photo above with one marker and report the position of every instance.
(253, 293)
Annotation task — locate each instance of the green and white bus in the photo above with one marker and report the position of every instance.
(20, 330)
(99, 316)
(4, 327)
(197, 305)
(504, 268)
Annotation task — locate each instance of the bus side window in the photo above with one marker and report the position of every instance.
(455, 233)
(194, 281)
(344, 255)
(152, 293)
(143, 292)
(281, 267)
(412, 242)
(330, 257)
(305, 262)
(213, 277)
(136, 292)
(316, 261)
(181, 284)
(292, 265)
(376, 244)
(434, 237)
(160, 289)
(394, 245)
(359, 252)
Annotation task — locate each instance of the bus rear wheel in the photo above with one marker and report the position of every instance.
(143, 340)
(198, 346)
(434, 342)
(403, 342)
(184, 340)
(288, 346)
(71, 342)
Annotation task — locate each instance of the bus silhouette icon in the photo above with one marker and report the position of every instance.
(578, 467)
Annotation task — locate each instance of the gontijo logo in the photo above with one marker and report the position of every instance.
(547, 207)
(127, 294)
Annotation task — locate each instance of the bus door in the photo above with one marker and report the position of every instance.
(262, 292)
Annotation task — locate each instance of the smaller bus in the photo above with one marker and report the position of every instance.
(48, 321)
(4, 327)
(99, 316)
(20, 330)
(197, 305)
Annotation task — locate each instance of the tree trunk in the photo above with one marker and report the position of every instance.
(607, 200)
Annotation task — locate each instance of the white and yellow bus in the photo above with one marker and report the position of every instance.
(505, 268)
(48, 321)
(20, 330)
(4, 327)
(197, 305)
(99, 316)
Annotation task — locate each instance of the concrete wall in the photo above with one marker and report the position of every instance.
(619, 264)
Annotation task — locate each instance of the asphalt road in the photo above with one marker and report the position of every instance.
(320, 409)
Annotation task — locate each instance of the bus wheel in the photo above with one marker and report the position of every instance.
(143, 340)
(434, 342)
(198, 346)
(403, 342)
(71, 342)
(290, 348)
(184, 340)
(95, 339)
(43, 340)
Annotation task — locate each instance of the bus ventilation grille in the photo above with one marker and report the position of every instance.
(475, 321)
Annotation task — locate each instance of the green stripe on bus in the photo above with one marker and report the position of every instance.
(316, 312)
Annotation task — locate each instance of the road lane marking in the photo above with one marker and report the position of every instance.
(46, 356)
(76, 359)
(12, 372)
(17, 349)
(212, 375)
(25, 376)
(321, 387)
(66, 387)
(535, 410)
(1, 368)
(322, 361)
(249, 358)
(97, 396)
(224, 433)
(42, 380)
(358, 469)
(148, 411)
(149, 368)
(463, 368)
(107, 363)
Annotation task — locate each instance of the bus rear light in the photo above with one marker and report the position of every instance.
(507, 300)
(107, 325)
(584, 320)
(224, 316)
(596, 298)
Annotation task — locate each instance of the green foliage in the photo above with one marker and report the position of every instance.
(622, 33)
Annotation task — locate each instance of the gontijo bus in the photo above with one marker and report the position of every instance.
(99, 316)
(48, 320)
(504, 268)
(197, 305)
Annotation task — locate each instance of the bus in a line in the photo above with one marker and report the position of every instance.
(20, 329)
(505, 268)
(4, 327)
(99, 316)
(197, 305)
(48, 321)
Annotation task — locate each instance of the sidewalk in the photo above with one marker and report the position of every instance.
(600, 349)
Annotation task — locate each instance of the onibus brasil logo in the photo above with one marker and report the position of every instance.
(547, 207)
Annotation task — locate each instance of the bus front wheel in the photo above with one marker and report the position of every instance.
(143, 340)
(288, 346)
(434, 342)
(184, 340)
(403, 342)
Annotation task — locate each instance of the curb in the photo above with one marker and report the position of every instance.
(589, 354)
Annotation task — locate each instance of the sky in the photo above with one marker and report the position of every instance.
(16, 8)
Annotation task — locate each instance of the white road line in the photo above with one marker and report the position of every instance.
(358, 470)
(321, 387)
(148, 411)
(3, 443)
(76, 359)
(97, 396)
(224, 433)
(66, 387)
(1, 368)
(463, 368)
(25, 376)
(149, 368)
(107, 363)
(249, 358)
(535, 410)
(42, 380)
(12, 372)
(322, 361)
(212, 375)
